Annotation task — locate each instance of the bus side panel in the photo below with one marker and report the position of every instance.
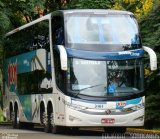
(15, 71)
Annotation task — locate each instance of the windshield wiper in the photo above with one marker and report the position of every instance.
(87, 88)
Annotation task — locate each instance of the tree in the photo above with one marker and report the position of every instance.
(22, 11)
(152, 114)
(150, 26)
(91, 4)
(4, 25)
(138, 7)
(150, 31)
(4, 22)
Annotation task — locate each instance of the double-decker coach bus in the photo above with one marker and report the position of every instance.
(76, 68)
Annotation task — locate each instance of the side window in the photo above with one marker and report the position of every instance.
(28, 39)
(35, 82)
(41, 35)
(58, 30)
(19, 42)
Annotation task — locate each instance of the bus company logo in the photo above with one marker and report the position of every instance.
(123, 104)
(12, 74)
(129, 53)
(108, 112)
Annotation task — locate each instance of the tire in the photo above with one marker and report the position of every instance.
(11, 115)
(15, 119)
(45, 121)
(54, 128)
(115, 129)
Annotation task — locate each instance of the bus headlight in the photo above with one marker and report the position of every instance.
(74, 106)
(133, 108)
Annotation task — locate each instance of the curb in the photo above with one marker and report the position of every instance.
(132, 130)
(143, 131)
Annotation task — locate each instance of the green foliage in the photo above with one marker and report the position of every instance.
(150, 26)
(4, 22)
(52, 5)
(91, 4)
(152, 115)
(150, 32)
(22, 11)
(4, 25)
(1, 115)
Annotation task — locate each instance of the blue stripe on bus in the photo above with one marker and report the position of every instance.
(105, 55)
(26, 103)
(23, 62)
(128, 102)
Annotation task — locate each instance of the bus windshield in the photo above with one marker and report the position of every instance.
(102, 30)
(104, 78)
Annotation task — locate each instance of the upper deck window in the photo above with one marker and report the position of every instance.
(93, 29)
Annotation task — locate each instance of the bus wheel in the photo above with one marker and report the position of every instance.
(54, 128)
(45, 122)
(11, 116)
(15, 121)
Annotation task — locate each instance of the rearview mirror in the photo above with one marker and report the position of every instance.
(153, 57)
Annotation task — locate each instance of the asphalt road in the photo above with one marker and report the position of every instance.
(7, 132)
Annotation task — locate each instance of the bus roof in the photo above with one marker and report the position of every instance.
(48, 16)
(64, 12)
(97, 11)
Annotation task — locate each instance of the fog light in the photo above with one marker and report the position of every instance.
(141, 118)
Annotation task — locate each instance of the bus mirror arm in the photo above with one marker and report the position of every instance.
(153, 58)
(63, 57)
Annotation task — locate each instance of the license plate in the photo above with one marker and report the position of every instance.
(107, 120)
